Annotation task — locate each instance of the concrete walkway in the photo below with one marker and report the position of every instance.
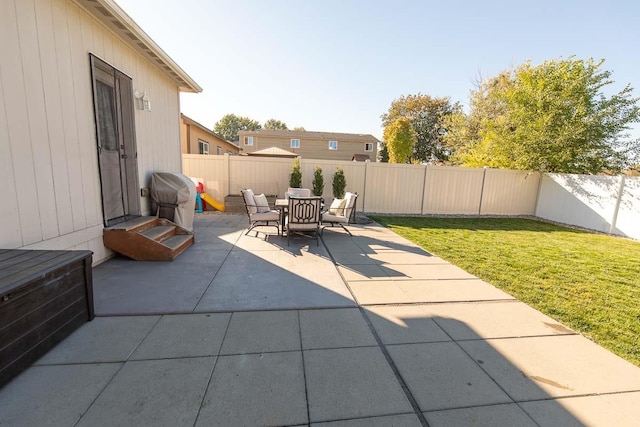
(368, 330)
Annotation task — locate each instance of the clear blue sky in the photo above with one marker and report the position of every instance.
(336, 65)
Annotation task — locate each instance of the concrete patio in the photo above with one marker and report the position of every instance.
(368, 330)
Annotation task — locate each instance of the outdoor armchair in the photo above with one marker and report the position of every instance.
(341, 212)
(260, 214)
(303, 216)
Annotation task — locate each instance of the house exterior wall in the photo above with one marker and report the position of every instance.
(313, 145)
(191, 133)
(50, 192)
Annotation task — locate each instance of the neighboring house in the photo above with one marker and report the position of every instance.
(197, 139)
(310, 145)
(89, 110)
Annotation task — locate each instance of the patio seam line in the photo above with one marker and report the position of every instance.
(116, 373)
(99, 394)
(146, 335)
(387, 356)
(403, 304)
(304, 369)
(395, 370)
(213, 368)
(214, 277)
(485, 371)
(335, 265)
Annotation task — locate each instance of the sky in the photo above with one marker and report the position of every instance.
(331, 65)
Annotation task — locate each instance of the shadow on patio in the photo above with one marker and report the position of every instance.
(369, 330)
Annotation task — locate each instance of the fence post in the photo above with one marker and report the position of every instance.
(617, 208)
(484, 175)
(364, 188)
(424, 188)
(227, 163)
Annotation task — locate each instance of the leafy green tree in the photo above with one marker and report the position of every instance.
(427, 116)
(273, 124)
(400, 139)
(318, 182)
(295, 177)
(383, 154)
(338, 183)
(553, 117)
(229, 126)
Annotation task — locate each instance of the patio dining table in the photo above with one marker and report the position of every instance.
(282, 205)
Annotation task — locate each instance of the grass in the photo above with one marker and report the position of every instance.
(589, 282)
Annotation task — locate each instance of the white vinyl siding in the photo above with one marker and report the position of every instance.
(333, 145)
(295, 143)
(47, 132)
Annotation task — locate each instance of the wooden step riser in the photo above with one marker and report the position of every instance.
(161, 235)
(142, 248)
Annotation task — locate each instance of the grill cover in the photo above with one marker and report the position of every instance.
(173, 196)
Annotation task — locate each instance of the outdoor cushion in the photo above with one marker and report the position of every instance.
(337, 207)
(265, 216)
(327, 217)
(250, 201)
(262, 204)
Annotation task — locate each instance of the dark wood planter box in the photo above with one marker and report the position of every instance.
(44, 296)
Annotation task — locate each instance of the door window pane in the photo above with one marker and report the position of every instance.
(107, 116)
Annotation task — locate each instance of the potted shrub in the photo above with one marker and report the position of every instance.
(295, 177)
(318, 182)
(339, 183)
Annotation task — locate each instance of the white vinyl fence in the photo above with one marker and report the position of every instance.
(381, 187)
(602, 203)
(609, 204)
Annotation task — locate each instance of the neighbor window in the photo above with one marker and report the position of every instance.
(248, 140)
(295, 143)
(203, 147)
(368, 146)
(333, 145)
(218, 150)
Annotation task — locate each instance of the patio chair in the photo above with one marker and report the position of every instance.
(260, 214)
(342, 212)
(303, 216)
(300, 192)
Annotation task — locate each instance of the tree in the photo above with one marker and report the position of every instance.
(300, 129)
(295, 177)
(338, 183)
(273, 124)
(229, 126)
(318, 182)
(400, 139)
(553, 117)
(427, 116)
(383, 154)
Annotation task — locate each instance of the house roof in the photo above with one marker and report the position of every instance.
(111, 15)
(273, 152)
(361, 158)
(312, 134)
(190, 121)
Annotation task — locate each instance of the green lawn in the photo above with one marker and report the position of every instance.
(589, 282)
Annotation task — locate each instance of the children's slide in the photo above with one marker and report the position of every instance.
(212, 202)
